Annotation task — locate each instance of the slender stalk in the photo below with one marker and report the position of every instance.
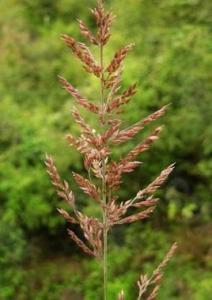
(105, 256)
(104, 188)
(102, 73)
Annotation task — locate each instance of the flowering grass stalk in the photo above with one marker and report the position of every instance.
(105, 175)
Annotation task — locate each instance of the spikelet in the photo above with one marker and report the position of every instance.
(81, 144)
(87, 33)
(81, 51)
(67, 217)
(152, 187)
(104, 21)
(92, 230)
(85, 128)
(53, 173)
(127, 164)
(115, 171)
(108, 135)
(126, 134)
(143, 146)
(136, 217)
(116, 211)
(113, 83)
(85, 146)
(80, 243)
(123, 99)
(118, 58)
(148, 202)
(87, 187)
(76, 94)
(62, 188)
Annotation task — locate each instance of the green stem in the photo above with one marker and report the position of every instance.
(105, 256)
(104, 193)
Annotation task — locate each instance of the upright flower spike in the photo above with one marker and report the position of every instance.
(95, 145)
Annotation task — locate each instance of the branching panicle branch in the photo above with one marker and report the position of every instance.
(149, 286)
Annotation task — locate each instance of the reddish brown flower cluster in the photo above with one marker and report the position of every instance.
(104, 21)
(105, 175)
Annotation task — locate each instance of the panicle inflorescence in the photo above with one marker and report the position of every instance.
(95, 145)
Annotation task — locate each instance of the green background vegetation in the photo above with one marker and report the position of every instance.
(172, 63)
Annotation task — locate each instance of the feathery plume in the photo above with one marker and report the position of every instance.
(95, 147)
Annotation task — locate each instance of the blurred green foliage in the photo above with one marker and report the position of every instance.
(172, 63)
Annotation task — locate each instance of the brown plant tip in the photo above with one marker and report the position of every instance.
(104, 21)
(87, 33)
(80, 243)
(88, 187)
(128, 133)
(145, 283)
(152, 187)
(62, 187)
(118, 58)
(77, 96)
(165, 261)
(148, 202)
(52, 171)
(81, 51)
(66, 216)
(136, 217)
